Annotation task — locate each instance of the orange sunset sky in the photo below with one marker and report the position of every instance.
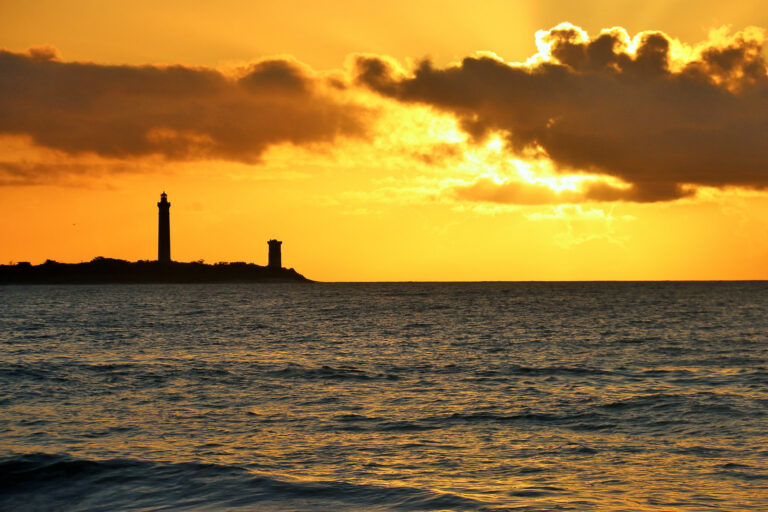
(498, 140)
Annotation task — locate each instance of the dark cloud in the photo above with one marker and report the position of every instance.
(520, 193)
(24, 173)
(595, 106)
(277, 77)
(176, 112)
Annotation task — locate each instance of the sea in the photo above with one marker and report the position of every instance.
(584, 396)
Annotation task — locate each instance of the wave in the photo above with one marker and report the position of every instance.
(61, 482)
(558, 370)
(326, 372)
(651, 412)
(358, 423)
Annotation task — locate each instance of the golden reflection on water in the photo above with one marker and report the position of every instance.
(474, 396)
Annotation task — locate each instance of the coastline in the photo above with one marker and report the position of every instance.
(108, 271)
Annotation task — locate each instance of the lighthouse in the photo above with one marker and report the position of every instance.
(164, 230)
(275, 260)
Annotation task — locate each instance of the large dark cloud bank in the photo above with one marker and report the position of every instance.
(595, 105)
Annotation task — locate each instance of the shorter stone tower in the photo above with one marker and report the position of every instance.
(275, 259)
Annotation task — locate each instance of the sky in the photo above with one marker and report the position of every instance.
(406, 141)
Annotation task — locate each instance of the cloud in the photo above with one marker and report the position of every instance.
(523, 193)
(650, 111)
(175, 112)
(513, 192)
(24, 173)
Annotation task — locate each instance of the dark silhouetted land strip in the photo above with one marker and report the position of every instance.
(108, 270)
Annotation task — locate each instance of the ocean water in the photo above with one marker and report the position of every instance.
(408, 396)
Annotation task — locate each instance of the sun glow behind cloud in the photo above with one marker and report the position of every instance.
(492, 161)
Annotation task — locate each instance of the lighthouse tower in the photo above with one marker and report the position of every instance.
(164, 230)
(275, 260)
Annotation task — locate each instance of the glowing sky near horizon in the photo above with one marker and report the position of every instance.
(629, 143)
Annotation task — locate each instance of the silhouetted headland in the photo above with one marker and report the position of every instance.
(109, 270)
(164, 270)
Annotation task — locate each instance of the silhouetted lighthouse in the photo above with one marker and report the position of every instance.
(275, 260)
(164, 230)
